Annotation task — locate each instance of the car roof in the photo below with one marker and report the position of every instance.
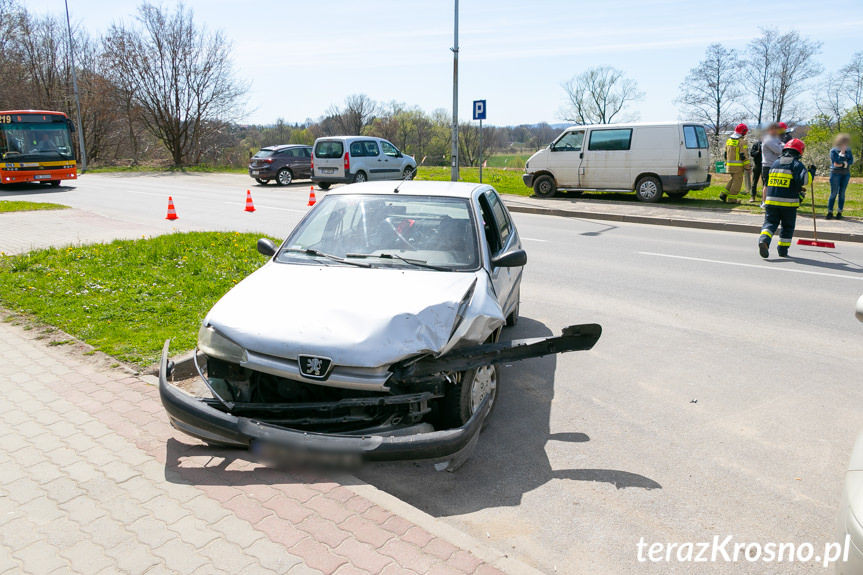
(351, 138)
(411, 188)
(632, 125)
(283, 146)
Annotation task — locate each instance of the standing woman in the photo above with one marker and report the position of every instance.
(840, 173)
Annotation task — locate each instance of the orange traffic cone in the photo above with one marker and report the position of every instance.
(250, 207)
(312, 199)
(172, 213)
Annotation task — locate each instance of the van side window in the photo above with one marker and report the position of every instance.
(695, 137)
(610, 140)
(371, 149)
(357, 149)
(389, 149)
(570, 142)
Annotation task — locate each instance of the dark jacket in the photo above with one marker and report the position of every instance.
(788, 176)
(836, 157)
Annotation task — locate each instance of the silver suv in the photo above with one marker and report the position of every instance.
(350, 159)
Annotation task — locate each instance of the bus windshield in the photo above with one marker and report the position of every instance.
(35, 142)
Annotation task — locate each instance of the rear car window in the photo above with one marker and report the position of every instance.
(264, 154)
(329, 149)
(610, 140)
(695, 137)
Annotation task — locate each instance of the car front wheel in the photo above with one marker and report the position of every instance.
(262, 181)
(464, 398)
(648, 189)
(544, 187)
(284, 177)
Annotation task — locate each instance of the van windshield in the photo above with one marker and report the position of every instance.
(329, 149)
(695, 137)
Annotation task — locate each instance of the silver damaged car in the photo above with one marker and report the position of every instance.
(372, 333)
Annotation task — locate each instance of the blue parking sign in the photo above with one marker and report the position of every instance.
(479, 109)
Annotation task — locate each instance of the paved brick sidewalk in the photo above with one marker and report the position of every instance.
(24, 231)
(94, 481)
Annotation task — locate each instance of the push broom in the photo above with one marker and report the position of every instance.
(814, 242)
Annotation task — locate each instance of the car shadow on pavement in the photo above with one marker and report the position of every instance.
(509, 460)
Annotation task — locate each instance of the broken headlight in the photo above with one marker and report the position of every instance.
(216, 345)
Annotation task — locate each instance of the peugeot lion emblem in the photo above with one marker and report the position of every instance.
(315, 367)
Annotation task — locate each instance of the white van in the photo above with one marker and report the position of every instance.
(647, 159)
(351, 159)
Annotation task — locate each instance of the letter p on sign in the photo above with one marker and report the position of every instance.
(479, 109)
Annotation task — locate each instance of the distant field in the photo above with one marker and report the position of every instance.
(506, 160)
(504, 181)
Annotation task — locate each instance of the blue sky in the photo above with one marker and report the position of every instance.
(303, 55)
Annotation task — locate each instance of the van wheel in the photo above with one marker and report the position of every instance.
(677, 195)
(408, 174)
(324, 186)
(360, 177)
(544, 187)
(284, 177)
(648, 189)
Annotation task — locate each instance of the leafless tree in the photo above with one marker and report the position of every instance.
(469, 143)
(757, 72)
(181, 76)
(13, 85)
(830, 99)
(599, 95)
(793, 65)
(853, 87)
(358, 113)
(711, 92)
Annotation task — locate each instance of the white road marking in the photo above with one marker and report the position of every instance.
(771, 268)
(534, 240)
(267, 207)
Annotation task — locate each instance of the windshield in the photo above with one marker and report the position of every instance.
(387, 230)
(42, 142)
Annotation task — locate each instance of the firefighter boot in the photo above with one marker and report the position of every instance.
(764, 247)
(783, 251)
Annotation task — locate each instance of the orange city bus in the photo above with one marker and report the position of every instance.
(36, 146)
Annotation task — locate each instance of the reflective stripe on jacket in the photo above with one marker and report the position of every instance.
(788, 175)
(734, 155)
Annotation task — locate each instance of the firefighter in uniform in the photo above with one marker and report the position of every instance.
(786, 186)
(736, 161)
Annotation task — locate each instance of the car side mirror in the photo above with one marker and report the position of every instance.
(266, 247)
(513, 259)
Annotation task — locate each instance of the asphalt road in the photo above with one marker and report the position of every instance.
(723, 398)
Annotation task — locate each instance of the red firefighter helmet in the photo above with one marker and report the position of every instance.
(796, 144)
(741, 129)
(782, 127)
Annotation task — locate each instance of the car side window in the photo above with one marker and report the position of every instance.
(371, 149)
(489, 227)
(357, 149)
(504, 225)
(570, 142)
(389, 149)
(307, 152)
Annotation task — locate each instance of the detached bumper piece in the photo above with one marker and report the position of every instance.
(198, 419)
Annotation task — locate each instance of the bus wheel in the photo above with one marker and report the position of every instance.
(54, 183)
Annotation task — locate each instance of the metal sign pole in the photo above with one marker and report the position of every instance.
(75, 89)
(454, 171)
(480, 151)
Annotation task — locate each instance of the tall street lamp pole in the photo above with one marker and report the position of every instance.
(75, 89)
(454, 172)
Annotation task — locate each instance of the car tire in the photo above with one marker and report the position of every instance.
(544, 187)
(512, 319)
(462, 399)
(284, 177)
(677, 195)
(648, 189)
(262, 181)
(409, 173)
(324, 185)
(359, 178)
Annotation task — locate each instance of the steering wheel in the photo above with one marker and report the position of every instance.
(399, 235)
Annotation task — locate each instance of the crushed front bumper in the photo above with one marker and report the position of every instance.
(196, 418)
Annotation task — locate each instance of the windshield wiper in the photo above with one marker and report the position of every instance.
(413, 262)
(320, 254)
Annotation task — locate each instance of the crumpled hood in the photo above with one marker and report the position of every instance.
(356, 316)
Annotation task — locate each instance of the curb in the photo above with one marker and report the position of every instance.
(695, 224)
